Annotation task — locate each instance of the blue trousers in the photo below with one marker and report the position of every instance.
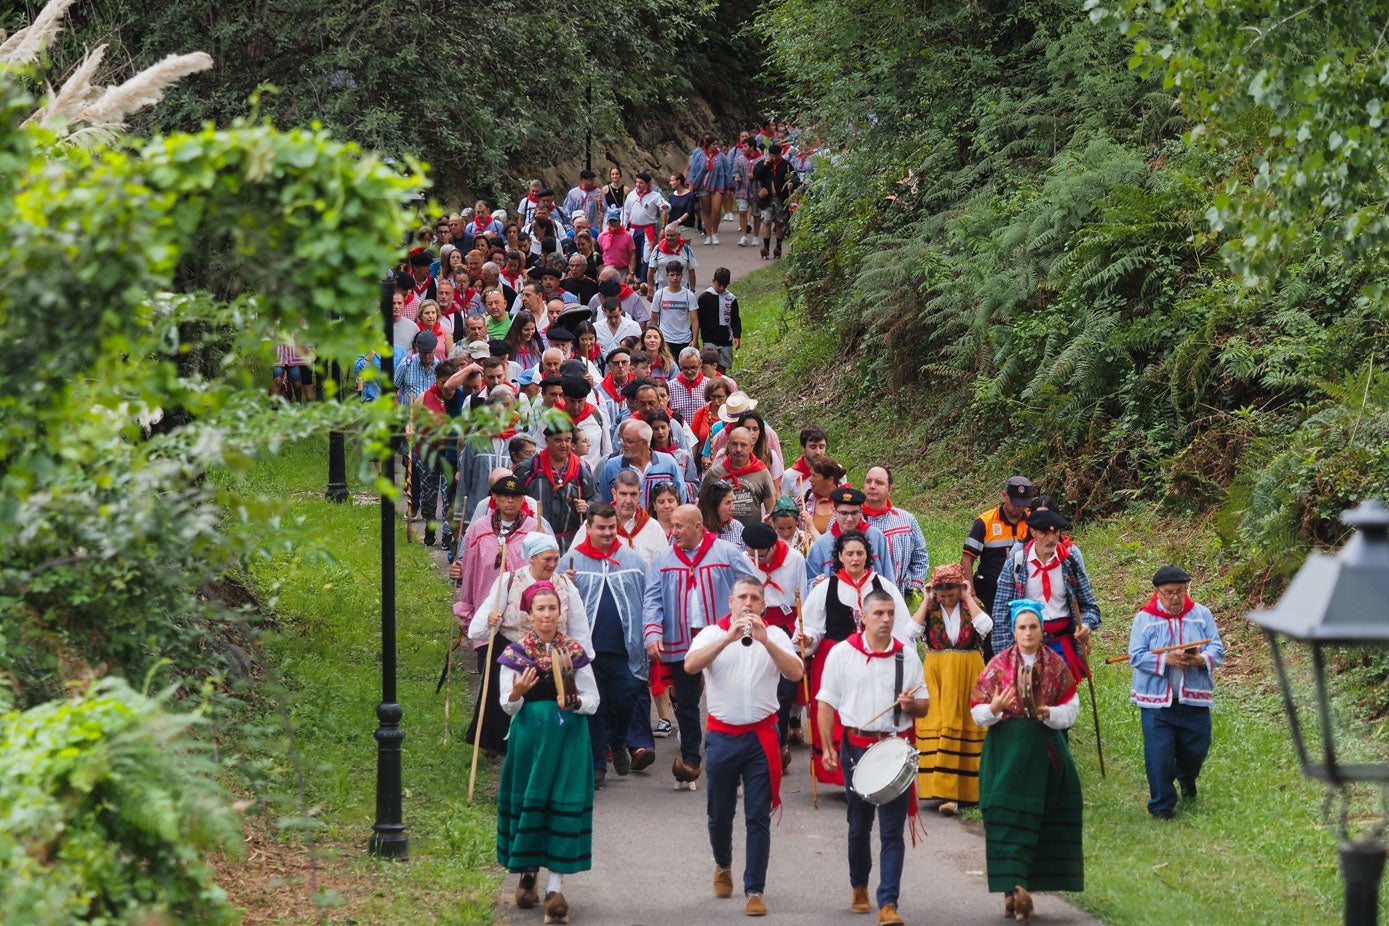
(1176, 740)
(892, 819)
(639, 730)
(729, 760)
(617, 692)
(687, 690)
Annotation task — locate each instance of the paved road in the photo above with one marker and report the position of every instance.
(651, 858)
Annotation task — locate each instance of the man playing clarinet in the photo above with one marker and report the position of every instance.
(872, 670)
(743, 661)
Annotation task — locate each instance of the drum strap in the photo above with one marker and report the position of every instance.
(897, 670)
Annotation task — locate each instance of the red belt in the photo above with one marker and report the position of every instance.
(632, 228)
(766, 732)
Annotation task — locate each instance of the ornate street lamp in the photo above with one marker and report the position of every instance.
(1338, 606)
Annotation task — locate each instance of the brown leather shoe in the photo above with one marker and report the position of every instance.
(785, 758)
(1022, 904)
(685, 775)
(755, 906)
(526, 896)
(1008, 906)
(888, 914)
(723, 882)
(860, 902)
(556, 908)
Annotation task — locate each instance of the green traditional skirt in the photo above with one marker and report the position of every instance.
(1030, 798)
(545, 796)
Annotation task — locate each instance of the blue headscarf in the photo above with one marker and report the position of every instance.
(1018, 606)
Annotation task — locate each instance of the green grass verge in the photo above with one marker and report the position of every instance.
(326, 649)
(1251, 847)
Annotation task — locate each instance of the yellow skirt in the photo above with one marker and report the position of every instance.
(948, 739)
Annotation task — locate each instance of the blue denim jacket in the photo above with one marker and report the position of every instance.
(1154, 683)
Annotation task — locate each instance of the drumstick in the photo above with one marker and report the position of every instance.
(892, 705)
(1164, 649)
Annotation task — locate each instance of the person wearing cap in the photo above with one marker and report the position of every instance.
(492, 545)
(424, 287)
(782, 570)
(831, 612)
(611, 284)
(754, 492)
(906, 544)
(636, 455)
(775, 182)
(1030, 795)
(643, 213)
(848, 516)
(611, 579)
(1173, 690)
(954, 628)
(618, 247)
(687, 586)
(991, 536)
(585, 198)
(872, 669)
(589, 418)
(560, 482)
(415, 374)
(504, 613)
(734, 412)
(1049, 569)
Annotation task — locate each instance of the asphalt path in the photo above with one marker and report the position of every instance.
(652, 865)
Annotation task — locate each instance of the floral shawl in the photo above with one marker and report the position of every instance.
(530, 653)
(936, 638)
(1051, 681)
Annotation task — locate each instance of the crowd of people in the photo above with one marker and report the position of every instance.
(634, 542)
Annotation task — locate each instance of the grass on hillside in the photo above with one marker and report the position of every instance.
(326, 650)
(1251, 847)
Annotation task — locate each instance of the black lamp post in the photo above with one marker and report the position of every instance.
(388, 839)
(1338, 603)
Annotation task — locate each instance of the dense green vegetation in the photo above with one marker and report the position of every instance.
(1011, 239)
(483, 91)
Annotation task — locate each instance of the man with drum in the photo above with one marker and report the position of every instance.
(743, 660)
(878, 687)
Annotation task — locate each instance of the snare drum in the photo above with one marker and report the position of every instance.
(885, 771)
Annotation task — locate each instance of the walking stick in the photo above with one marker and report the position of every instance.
(409, 473)
(1090, 683)
(1161, 649)
(805, 681)
(455, 637)
(503, 580)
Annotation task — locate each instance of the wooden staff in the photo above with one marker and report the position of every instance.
(1162, 649)
(880, 713)
(503, 581)
(805, 680)
(1089, 683)
(409, 473)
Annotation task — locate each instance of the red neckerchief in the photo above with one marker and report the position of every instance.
(756, 466)
(1063, 550)
(863, 524)
(691, 384)
(422, 288)
(774, 562)
(624, 292)
(612, 388)
(511, 277)
(693, 564)
(857, 641)
(531, 198)
(588, 549)
(588, 410)
(1152, 608)
(843, 576)
(437, 330)
(638, 525)
(670, 450)
(871, 512)
(662, 247)
(801, 466)
(571, 470)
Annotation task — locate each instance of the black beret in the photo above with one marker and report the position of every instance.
(556, 333)
(610, 287)
(614, 352)
(631, 388)
(1169, 574)
(422, 258)
(1046, 520)
(759, 536)
(848, 495)
(576, 387)
(508, 485)
(549, 381)
(573, 367)
(498, 347)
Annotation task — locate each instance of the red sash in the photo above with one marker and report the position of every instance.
(765, 730)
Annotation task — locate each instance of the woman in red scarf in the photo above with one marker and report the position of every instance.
(833, 611)
(526, 346)
(428, 320)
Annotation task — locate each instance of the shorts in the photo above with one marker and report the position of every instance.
(706, 194)
(725, 354)
(776, 213)
(742, 202)
(297, 374)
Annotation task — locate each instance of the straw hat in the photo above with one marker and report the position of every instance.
(735, 406)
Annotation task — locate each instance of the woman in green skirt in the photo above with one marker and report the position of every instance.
(1028, 786)
(545, 797)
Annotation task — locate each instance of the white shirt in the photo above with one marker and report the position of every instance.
(813, 610)
(608, 340)
(584, 683)
(643, 209)
(859, 687)
(1056, 606)
(983, 624)
(740, 684)
(789, 576)
(1063, 716)
(649, 543)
